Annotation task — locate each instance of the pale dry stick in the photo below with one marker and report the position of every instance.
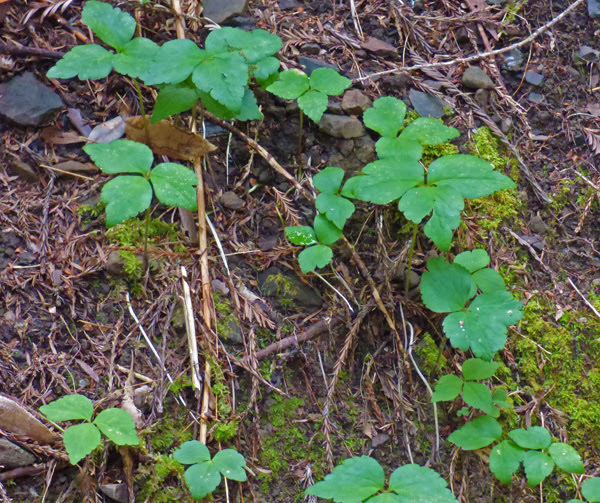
(151, 346)
(589, 304)
(482, 55)
(356, 21)
(190, 329)
(179, 29)
(3, 496)
(219, 245)
(340, 295)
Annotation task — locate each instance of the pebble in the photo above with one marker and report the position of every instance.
(311, 48)
(231, 200)
(341, 126)
(476, 78)
(593, 8)
(537, 224)
(379, 440)
(513, 60)
(426, 105)
(13, 456)
(534, 78)
(23, 171)
(355, 103)
(219, 10)
(16, 419)
(506, 124)
(535, 97)
(311, 64)
(116, 492)
(379, 47)
(588, 53)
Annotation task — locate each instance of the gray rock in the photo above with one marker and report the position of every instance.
(506, 124)
(13, 456)
(535, 97)
(24, 171)
(116, 492)
(16, 419)
(434, 84)
(537, 224)
(311, 64)
(231, 200)
(341, 126)
(588, 53)
(534, 78)
(230, 330)
(426, 105)
(27, 102)
(482, 98)
(355, 103)
(108, 131)
(476, 78)
(379, 440)
(311, 48)
(219, 10)
(115, 264)
(396, 81)
(379, 47)
(593, 8)
(513, 60)
(287, 289)
(241, 22)
(289, 4)
(364, 149)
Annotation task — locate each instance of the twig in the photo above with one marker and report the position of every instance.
(178, 19)
(589, 304)
(190, 329)
(481, 55)
(25, 51)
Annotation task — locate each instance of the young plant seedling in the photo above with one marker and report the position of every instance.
(327, 228)
(475, 394)
(399, 176)
(534, 448)
(204, 474)
(362, 478)
(482, 324)
(128, 195)
(82, 438)
(590, 490)
(311, 92)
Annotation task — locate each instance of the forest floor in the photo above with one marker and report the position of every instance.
(66, 322)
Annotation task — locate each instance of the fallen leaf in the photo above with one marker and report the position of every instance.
(167, 139)
(108, 131)
(54, 136)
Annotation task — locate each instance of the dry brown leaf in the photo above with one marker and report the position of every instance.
(167, 139)
(593, 138)
(54, 136)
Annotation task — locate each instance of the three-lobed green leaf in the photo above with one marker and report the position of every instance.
(505, 459)
(477, 433)
(447, 388)
(69, 408)
(417, 484)
(125, 196)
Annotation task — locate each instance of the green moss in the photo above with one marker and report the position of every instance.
(283, 288)
(430, 356)
(161, 482)
(168, 433)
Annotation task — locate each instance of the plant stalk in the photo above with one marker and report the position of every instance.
(146, 238)
(142, 109)
(411, 253)
(299, 147)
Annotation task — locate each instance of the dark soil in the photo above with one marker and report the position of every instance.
(66, 327)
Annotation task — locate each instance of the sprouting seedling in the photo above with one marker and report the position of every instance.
(129, 194)
(534, 448)
(363, 479)
(327, 227)
(482, 325)
(475, 394)
(590, 490)
(204, 474)
(82, 438)
(311, 92)
(398, 174)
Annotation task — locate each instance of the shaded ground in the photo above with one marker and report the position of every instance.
(65, 324)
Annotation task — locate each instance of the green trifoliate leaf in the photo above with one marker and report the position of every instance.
(174, 62)
(482, 328)
(488, 280)
(352, 481)
(329, 180)
(473, 260)
(113, 26)
(264, 69)
(174, 185)
(125, 197)
(470, 176)
(136, 59)
(202, 479)
(80, 440)
(500, 398)
(224, 76)
(314, 257)
(398, 147)
(591, 490)
(566, 457)
(535, 437)
(386, 498)
(384, 180)
(447, 388)
(291, 84)
(231, 464)
(254, 45)
(478, 433)
(328, 81)
(445, 287)
(118, 426)
(419, 484)
(69, 408)
(302, 235)
(428, 132)
(505, 459)
(386, 116)
(121, 156)
(326, 231)
(173, 99)
(191, 452)
(313, 104)
(479, 396)
(337, 209)
(537, 467)
(476, 369)
(84, 61)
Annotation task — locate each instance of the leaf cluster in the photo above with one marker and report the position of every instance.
(204, 474)
(590, 490)
(82, 438)
(362, 478)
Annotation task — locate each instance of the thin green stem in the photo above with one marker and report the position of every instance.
(142, 109)
(411, 253)
(146, 238)
(299, 148)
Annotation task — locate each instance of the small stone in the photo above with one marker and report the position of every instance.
(396, 81)
(311, 64)
(426, 105)
(219, 10)
(231, 200)
(434, 84)
(116, 492)
(364, 149)
(311, 48)
(335, 107)
(115, 264)
(16, 419)
(287, 289)
(535, 97)
(242, 22)
(27, 102)
(534, 78)
(379, 47)
(513, 60)
(476, 78)
(379, 440)
(482, 98)
(108, 131)
(506, 124)
(346, 147)
(588, 53)
(537, 224)
(230, 330)
(289, 4)
(218, 286)
(341, 126)
(593, 8)
(24, 171)
(355, 103)
(13, 456)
